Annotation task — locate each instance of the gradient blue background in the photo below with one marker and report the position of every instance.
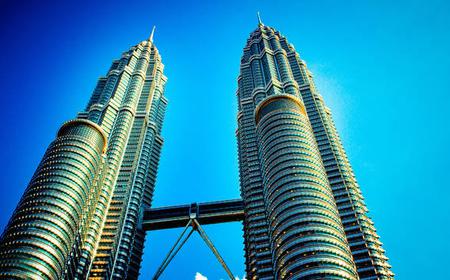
(382, 66)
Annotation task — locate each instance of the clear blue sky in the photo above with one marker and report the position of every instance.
(382, 66)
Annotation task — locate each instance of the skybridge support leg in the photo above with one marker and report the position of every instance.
(213, 249)
(174, 250)
(178, 245)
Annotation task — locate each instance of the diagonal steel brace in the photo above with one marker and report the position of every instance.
(178, 245)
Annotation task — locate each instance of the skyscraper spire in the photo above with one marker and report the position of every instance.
(259, 19)
(151, 34)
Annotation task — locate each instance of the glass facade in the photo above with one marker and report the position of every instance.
(80, 216)
(305, 216)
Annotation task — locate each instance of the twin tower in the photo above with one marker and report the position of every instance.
(304, 217)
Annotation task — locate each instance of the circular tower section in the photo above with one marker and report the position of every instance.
(306, 234)
(45, 226)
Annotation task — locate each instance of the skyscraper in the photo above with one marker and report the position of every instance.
(305, 216)
(80, 214)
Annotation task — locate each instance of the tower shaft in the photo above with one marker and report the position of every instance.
(133, 98)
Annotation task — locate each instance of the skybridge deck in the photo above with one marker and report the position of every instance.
(205, 213)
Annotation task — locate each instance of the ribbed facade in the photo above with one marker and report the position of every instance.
(130, 104)
(305, 216)
(80, 216)
(51, 218)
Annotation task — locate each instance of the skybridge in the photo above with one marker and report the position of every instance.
(192, 216)
(206, 213)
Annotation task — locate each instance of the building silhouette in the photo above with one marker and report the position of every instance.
(86, 209)
(305, 216)
(80, 215)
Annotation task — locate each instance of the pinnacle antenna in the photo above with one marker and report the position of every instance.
(259, 19)
(151, 34)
